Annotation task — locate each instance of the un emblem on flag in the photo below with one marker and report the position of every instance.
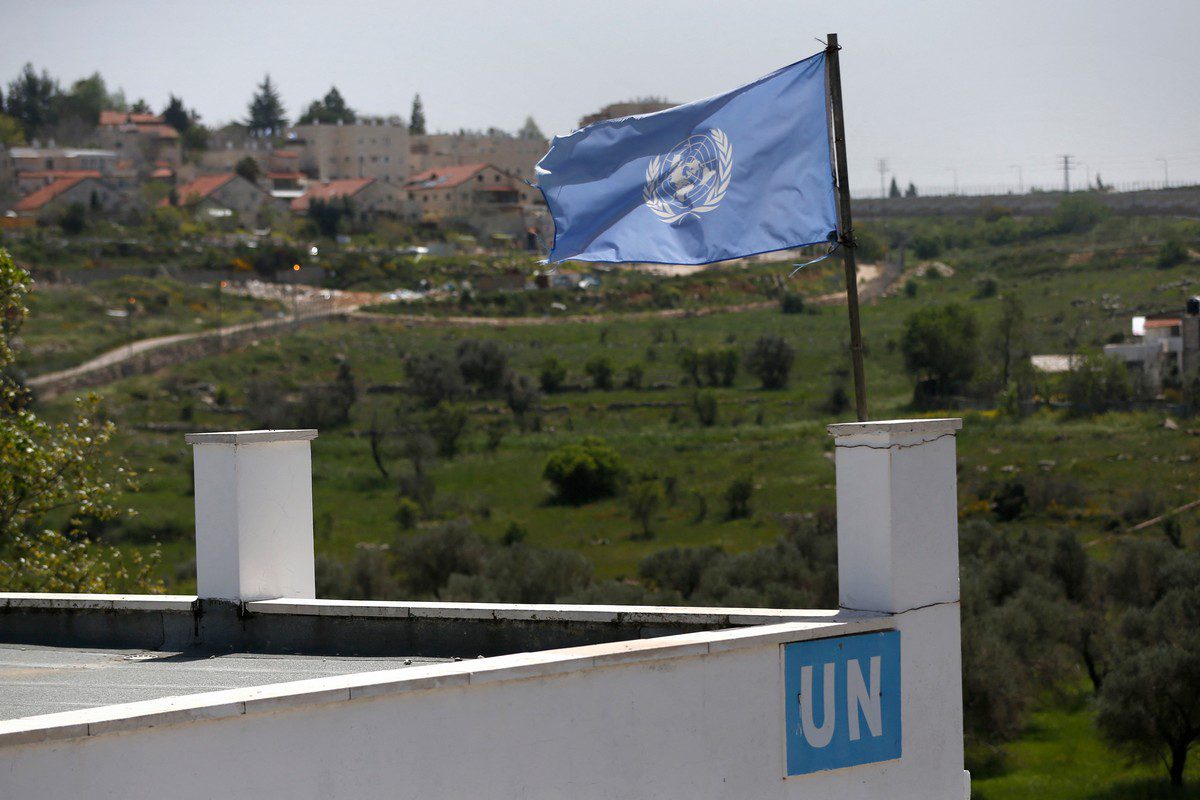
(691, 178)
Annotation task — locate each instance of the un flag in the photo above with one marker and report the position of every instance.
(738, 174)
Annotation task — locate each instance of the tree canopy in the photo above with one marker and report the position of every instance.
(938, 344)
(48, 468)
(267, 116)
(330, 109)
(31, 100)
(416, 119)
(530, 130)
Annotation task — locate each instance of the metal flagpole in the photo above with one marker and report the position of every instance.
(846, 226)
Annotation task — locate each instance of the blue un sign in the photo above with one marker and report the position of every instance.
(843, 701)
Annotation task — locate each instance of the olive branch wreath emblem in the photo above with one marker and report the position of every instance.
(662, 209)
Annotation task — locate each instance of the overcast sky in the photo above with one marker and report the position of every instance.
(933, 87)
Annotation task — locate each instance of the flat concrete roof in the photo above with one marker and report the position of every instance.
(45, 680)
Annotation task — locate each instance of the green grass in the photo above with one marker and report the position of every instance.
(1060, 757)
(68, 324)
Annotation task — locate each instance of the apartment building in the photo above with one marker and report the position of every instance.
(362, 150)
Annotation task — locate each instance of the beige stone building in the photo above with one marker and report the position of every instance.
(146, 139)
(475, 196)
(363, 150)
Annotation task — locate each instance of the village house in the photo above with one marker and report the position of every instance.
(221, 196)
(515, 155)
(366, 197)
(63, 159)
(144, 138)
(88, 190)
(1166, 347)
(478, 196)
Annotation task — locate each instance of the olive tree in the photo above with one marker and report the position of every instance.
(58, 468)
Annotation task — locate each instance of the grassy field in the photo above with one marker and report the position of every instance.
(1109, 471)
(68, 324)
(1060, 757)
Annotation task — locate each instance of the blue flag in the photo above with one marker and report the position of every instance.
(735, 175)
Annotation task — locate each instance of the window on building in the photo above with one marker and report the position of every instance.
(479, 178)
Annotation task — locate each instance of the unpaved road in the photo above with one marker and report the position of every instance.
(310, 303)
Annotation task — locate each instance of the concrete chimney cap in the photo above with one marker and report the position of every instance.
(896, 426)
(251, 437)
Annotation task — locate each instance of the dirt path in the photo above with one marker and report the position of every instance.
(313, 304)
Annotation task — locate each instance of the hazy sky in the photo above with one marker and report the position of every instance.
(932, 87)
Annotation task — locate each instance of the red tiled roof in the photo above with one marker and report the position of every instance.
(111, 117)
(40, 197)
(286, 154)
(200, 188)
(285, 176)
(162, 172)
(161, 131)
(330, 190)
(444, 177)
(1164, 322)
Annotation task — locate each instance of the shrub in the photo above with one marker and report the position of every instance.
(429, 559)
(791, 303)
(514, 534)
(737, 496)
(586, 471)
(600, 370)
(911, 288)
(482, 364)
(552, 375)
(634, 376)
(705, 405)
(927, 244)
(446, 426)
(770, 360)
(1077, 213)
(644, 497)
(522, 397)
(407, 513)
(1095, 383)
(1172, 253)
(434, 379)
(720, 366)
(986, 287)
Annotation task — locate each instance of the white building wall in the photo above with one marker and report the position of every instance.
(697, 727)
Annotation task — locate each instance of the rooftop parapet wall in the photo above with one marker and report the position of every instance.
(562, 700)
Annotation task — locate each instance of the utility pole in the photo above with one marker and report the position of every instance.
(1166, 176)
(882, 165)
(1067, 173)
(954, 172)
(1020, 179)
